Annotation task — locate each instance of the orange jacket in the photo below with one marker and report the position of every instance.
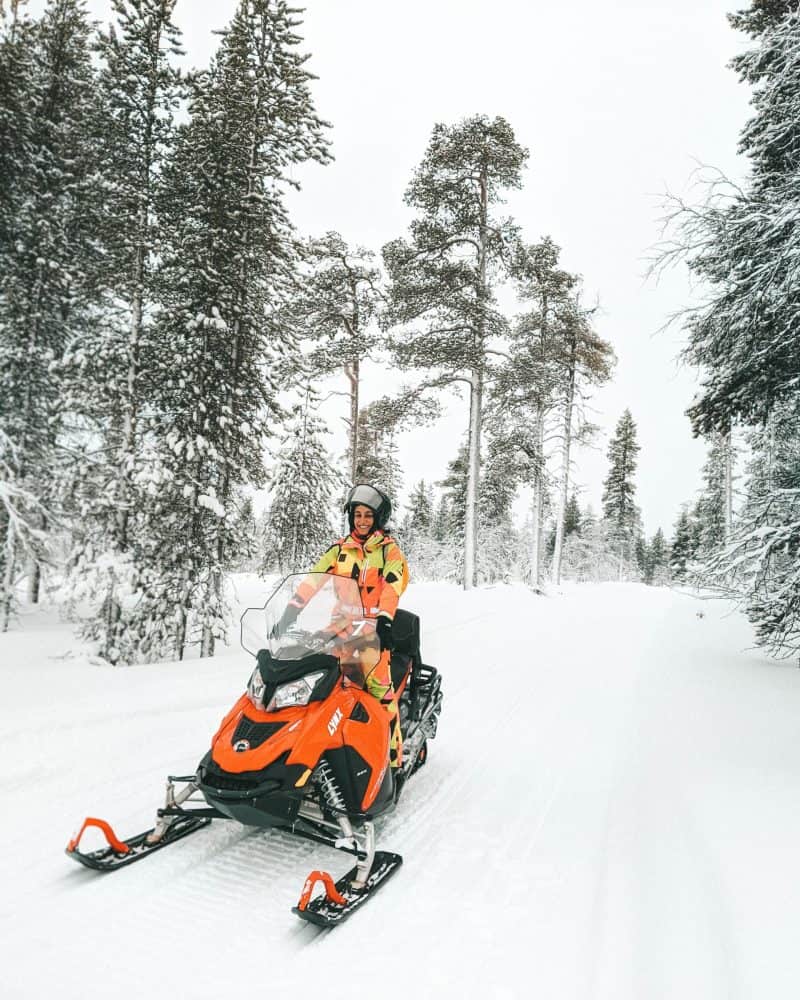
(377, 564)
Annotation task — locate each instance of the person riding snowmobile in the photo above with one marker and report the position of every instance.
(371, 556)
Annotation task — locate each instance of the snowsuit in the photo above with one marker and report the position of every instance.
(380, 569)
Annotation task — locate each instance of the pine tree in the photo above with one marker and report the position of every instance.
(761, 566)
(110, 367)
(585, 359)
(711, 509)
(573, 518)
(228, 271)
(619, 507)
(378, 463)
(304, 488)
(335, 308)
(682, 547)
(656, 567)
(48, 219)
(740, 246)
(419, 510)
(444, 278)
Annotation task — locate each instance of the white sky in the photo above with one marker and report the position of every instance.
(616, 103)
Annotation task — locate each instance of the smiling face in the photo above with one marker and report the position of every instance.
(363, 520)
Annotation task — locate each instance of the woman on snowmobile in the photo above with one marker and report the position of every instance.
(371, 556)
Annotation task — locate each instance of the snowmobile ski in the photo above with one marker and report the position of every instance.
(343, 898)
(124, 852)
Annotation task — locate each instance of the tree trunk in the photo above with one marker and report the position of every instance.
(476, 401)
(34, 580)
(7, 594)
(538, 504)
(728, 488)
(473, 475)
(564, 485)
(352, 371)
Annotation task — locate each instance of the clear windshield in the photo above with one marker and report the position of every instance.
(314, 613)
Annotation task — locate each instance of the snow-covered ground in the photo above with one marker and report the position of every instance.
(611, 810)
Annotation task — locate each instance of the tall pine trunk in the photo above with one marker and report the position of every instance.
(538, 502)
(569, 402)
(728, 488)
(352, 371)
(476, 403)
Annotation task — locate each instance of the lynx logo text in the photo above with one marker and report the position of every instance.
(336, 718)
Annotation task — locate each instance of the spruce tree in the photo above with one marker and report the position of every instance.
(681, 549)
(443, 280)
(741, 245)
(711, 509)
(304, 486)
(48, 251)
(334, 308)
(228, 271)
(619, 507)
(419, 510)
(110, 369)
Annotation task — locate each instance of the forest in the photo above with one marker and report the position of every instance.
(167, 336)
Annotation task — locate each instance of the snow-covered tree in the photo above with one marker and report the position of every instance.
(48, 220)
(682, 548)
(619, 506)
(419, 509)
(743, 241)
(304, 488)
(443, 280)
(109, 369)
(713, 510)
(335, 306)
(656, 560)
(228, 268)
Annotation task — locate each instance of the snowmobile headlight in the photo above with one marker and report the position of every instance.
(255, 690)
(295, 692)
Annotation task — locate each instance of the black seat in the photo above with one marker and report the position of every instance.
(406, 652)
(406, 634)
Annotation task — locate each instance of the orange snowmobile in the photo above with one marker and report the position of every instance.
(306, 747)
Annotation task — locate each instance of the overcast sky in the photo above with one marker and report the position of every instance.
(616, 102)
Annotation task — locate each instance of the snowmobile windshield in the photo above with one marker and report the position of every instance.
(313, 613)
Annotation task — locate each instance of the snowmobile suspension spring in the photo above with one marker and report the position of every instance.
(330, 789)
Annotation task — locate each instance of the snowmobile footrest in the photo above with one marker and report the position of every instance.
(124, 852)
(327, 910)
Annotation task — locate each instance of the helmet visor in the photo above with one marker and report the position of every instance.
(367, 495)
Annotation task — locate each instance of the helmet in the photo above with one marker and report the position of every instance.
(372, 497)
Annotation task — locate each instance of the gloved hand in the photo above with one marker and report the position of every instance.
(288, 618)
(383, 626)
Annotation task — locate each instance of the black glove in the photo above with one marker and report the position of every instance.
(383, 626)
(287, 619)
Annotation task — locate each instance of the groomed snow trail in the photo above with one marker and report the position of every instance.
(611, 810)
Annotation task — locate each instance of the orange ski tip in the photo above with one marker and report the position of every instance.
(113, 841)
(332, 894)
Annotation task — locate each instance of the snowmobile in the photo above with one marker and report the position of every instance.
(306, 747)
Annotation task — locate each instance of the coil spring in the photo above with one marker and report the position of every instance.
(330, 790)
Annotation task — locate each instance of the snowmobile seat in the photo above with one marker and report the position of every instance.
(406, 634)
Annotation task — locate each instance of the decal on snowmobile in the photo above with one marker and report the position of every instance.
(335, 719)
(240, 746)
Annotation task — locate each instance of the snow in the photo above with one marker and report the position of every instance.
(610, 810)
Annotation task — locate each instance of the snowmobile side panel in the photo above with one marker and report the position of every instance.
(110, 858)
(324, 911)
